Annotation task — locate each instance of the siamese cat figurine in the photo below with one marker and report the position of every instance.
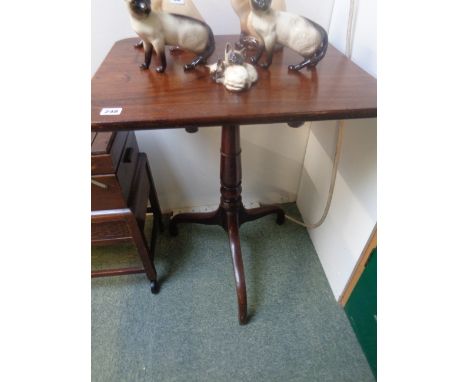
(249, 38)
(185, 9)
(157, 29)
(298, 33)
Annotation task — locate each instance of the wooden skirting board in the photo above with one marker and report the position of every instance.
(359, 268)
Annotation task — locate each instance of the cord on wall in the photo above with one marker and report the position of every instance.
(339, 137)
(331, 189)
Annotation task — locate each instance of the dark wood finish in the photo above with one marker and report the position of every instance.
(116, 160)
(120, 225)
(116, 231)
(335, 89)
(109, 198)
(127, 164)
(119, 210)
(127, 217)
(155, 209)
(106, 151)
(231, 213)
(109, 231)
(191, 130)
(117, 272)
(296, 124)
(102, 143)
(140, 191)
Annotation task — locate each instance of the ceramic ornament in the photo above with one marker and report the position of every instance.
(233, 72)
(185, 8)
(298, 33)
(158, 28)
(249, 37)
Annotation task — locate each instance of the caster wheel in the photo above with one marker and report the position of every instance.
(280, 218)
(154, 287)
(173, 229)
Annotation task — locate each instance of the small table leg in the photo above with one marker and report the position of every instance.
(231, 213)
(238, 265)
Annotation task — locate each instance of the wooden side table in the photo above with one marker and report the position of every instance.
(335, 89)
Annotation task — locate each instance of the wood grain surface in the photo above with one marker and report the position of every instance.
(106, 152)
(335, 89)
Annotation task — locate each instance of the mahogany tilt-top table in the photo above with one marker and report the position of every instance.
(335, 89)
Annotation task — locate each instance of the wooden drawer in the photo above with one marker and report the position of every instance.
(108, 198)
(112, 199)
(113, 164)
(106, 152)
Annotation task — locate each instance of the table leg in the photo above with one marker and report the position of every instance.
(231, 213)
(144, 252)
(257, 213)
(207, 218)
(238, 265)
(155, 209)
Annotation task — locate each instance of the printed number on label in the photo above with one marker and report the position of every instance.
(111, 111)
(178, 2)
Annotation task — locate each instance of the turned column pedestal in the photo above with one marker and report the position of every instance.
(231, 213)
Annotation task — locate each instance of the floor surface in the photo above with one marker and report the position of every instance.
(190, 331)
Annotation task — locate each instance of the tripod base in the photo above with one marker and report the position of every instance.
(231, 213)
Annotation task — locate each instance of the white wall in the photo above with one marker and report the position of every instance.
(186, 166)
(340, 240)
(364, 50)
(353, 213)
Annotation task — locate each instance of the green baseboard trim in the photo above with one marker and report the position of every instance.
(361, 310)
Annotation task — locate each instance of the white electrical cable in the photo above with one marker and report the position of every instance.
(339, 136)
(331, 189)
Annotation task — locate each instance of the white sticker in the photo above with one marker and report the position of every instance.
(178, 2)
(111, 111)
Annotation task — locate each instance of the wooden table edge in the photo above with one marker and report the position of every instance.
(167, 124)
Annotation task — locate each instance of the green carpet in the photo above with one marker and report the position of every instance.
(190, 332)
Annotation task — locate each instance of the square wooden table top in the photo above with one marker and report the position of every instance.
(335, 89)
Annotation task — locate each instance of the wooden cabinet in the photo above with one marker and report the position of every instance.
(113, 160)
(121, 185)
(106, 151)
